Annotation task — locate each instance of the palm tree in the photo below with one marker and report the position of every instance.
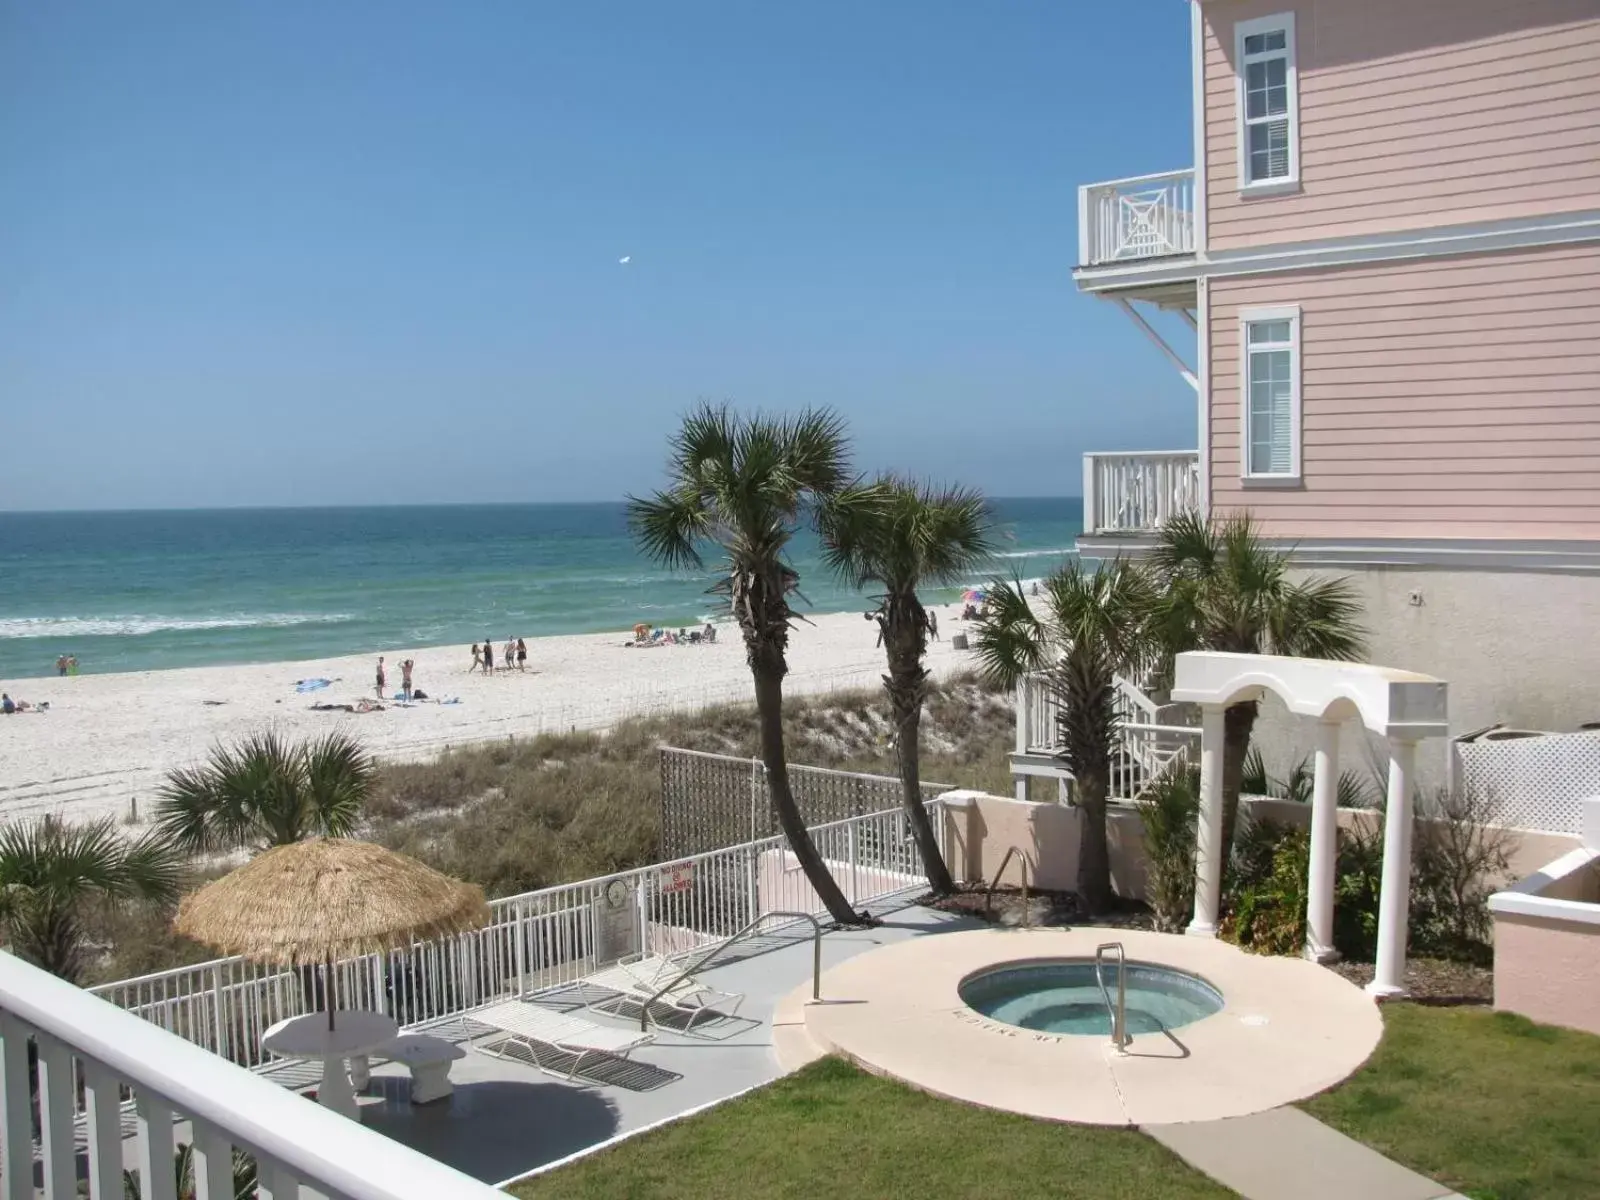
(49, 870)
(1094, 625)
(267, 792)
(901, 536)
(744, 485)
(1225, 589)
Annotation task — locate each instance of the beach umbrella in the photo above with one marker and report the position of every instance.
(324, 899)
(974, 596)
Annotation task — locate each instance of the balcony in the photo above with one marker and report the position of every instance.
(1139, 492)
(1128, 220)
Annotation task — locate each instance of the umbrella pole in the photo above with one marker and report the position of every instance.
(327, 987)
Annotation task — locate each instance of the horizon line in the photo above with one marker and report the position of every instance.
(196, 508)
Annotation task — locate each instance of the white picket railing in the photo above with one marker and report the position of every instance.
(1147, 216)
(535, 942)
(1138, 493)
(90, 1055)
(1149, 745)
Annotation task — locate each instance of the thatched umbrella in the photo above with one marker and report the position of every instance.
(327, 898)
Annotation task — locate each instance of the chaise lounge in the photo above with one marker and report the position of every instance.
(664, 982)
(534, 1028)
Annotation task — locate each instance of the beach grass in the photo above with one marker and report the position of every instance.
(527, 813)
(833, 1130)
(1489, 1103)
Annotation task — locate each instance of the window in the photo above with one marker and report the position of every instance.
(1270, 357)
(1269, 118)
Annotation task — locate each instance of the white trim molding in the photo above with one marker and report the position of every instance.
(1437, 241)
(1203, 374)
(1197, 81)
(1458, 554)
(1270, 185)
(1248, 318)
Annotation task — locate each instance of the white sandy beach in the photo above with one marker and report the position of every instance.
(108, 739)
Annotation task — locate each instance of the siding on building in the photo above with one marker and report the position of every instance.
(1415, 113)
(1441, 397)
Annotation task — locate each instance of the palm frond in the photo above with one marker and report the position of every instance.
(1011, 642)
(1317, 618)
(339, 778)
(816, 450)
(669, 526)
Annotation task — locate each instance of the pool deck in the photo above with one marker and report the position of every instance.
(506, 1118)
(1287, 1030)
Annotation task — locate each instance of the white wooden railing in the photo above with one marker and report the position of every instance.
(1144, 217)
(1138, 493)
(1150, 742)
(94, 1062)
(536, 942)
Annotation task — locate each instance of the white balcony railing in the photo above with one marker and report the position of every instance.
(1138, 493)
(1128, 219)
(90, 1054)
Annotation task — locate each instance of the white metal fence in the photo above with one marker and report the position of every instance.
(1138, 493)
(1143, 217)
(711, 800)
(534, 943)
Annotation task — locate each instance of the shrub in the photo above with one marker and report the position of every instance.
(1458, 860)
(1266, 908)
(1169, 808)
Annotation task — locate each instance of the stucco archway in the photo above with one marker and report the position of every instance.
(1400, 706)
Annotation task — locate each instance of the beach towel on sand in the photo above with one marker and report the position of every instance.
(312, 685)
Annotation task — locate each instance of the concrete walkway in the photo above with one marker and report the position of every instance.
(1285, 1154)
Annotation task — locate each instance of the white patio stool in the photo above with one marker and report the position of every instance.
(428, 1059)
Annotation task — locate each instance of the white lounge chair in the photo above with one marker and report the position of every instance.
(661, 981)
(534, 1027)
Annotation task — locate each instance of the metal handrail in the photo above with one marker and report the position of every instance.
(749, 928)
(988, 895)
(1118, 1015)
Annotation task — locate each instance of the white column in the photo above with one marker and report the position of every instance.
(1324, 845)
(1209, 851)
(1394, 902)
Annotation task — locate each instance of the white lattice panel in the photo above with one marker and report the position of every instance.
(1536, 782)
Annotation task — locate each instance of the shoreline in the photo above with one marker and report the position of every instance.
(109, 739)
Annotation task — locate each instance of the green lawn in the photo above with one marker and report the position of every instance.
(831, 1130)
(1494, 1105)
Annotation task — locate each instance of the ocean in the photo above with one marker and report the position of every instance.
(135, 591)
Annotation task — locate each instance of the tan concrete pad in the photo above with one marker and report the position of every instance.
(1288, 1029)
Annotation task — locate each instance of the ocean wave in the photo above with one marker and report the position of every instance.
(137, 626)
(1067, 550)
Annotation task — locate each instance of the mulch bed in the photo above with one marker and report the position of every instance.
(1433, 980)
(1045, 908)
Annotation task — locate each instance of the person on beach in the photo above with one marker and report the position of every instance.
(61, 665)
(522, 655)
(488, 657)
(380, 677)
(7, 704)
(477, 659)
(933, 624)
(405, 678)
(508, 652)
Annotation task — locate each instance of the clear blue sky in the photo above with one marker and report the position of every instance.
(297, 253)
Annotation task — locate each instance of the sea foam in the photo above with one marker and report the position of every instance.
(136, 626)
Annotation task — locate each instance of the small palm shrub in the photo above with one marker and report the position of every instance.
(1169, 808)
(1266, 910)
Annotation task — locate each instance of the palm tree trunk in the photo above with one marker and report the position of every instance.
(904, 639)
(769, 715)
(1094, 857)
(1239, 722)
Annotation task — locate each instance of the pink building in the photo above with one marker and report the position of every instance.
(1389, 249)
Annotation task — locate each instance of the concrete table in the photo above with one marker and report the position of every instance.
(355, 1034)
